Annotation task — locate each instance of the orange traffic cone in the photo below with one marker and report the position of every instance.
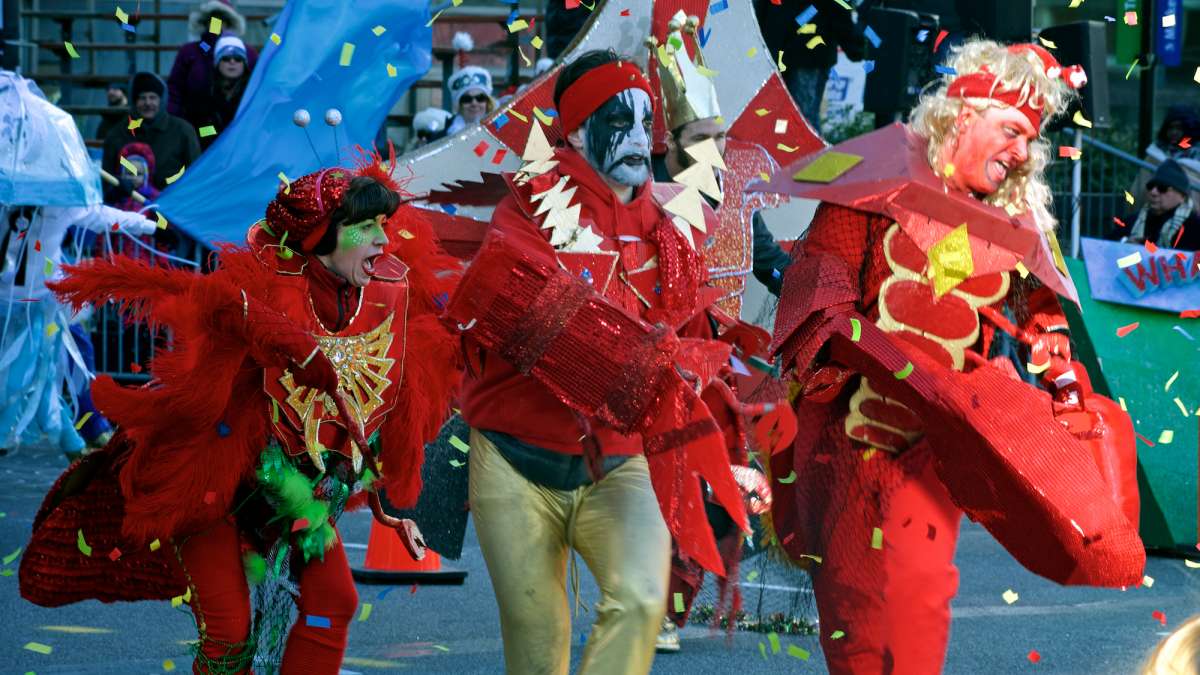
(388, 562)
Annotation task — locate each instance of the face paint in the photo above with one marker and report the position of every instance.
(617, 137)
(358, 246)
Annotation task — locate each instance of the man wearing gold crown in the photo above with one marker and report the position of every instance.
(253, 435)
(931, 238)
(702, 157)
(594, 389)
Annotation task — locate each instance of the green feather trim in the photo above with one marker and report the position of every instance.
(291, 494)
(256, 567)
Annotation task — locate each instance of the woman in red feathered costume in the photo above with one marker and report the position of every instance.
(252, 435)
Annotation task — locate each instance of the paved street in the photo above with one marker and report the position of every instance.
(455, 629)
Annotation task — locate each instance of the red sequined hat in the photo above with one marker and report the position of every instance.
(303, 208)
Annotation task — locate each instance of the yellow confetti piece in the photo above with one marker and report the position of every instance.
(1048, 44)
(877, 539)
(789, 479)
(77, 630)
(1075, 3)
(528, 63)
(1010, 596)
(1036, 369)
(1166, 437)
(82, 544)
(52, 330)
(706, 72)
(855, 330)
(49, 268)
(678, 599)
(177, 601)
(207, 131)
(1196, 77)
(536, 42)
(71, 50)
(214, 25)
(1129, 260)
(1128, 197)
(1022, 269)
(798, 652)
(1081, 120)
(948, 170)
(519, 116)
(7, 560)
(287, 184)
(155, 545)
(435, 18)
(761, 112)
(773, 638)
(177, 175)
(1191, 563)
(378, 30)
(752, 576)
(458, 444)
(518, 26)
(38, 647)
(391, 70)
(764, 175)
(276, 39)
(347, 54)
(752, 52)
(815, 42)
(168, 665)
(161, 222)
(1121, 402)
(816, 558)
(122, 15)
(1183, 409)
(545, 119)
(365, 612)
(779, 62)
(1171, 381)
(837, 635)
(869, 453)
(88, 415)
(134, 124)
(1131, 67)
(1148, 581)
(904, 372)
(807, 29)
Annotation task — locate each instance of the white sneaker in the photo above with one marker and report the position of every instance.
(668, 638)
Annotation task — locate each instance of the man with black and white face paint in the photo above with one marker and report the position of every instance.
(616, 140)
(563, 449)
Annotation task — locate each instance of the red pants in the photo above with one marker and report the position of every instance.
(221, 603)
(893, 604)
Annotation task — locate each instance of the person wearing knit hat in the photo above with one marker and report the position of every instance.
(1170, 218)
(174, 141)
(219, 105)
(283, 362)
(428, 126)
(470, 96)
(195, 70)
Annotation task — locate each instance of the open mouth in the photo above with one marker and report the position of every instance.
(1000, 170)
(368, 264)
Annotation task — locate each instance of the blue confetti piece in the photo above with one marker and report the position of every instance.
(807, 15)
(587, 276)
(512, 16)
(222, 430)
(922, 35)
(500, 121)
(204, 46)
(718, 7)
(704, 35)
(383, 594)
(776, 274)
(316, 621)
(945, 70)
(873, 37)
(133, 29)
(868, 66)
(450, 208)
(550, 112)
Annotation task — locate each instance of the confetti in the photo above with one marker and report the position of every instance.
(435, 18)
(162, 222)
(1159, 616)
(938, 42)
(1168, 21)
(378, 30)
(789, 479)
(762, 649)
(1171, 381)
(1130, 18)
(177, 175)
(837, 635)
(752, 576)
(1080, 120)
(115, 554)
(1192, 564)
(207, 131)
(71, 50)
(1196, 77)
(773, 638)
(1127, 329)
(82, 544)
(86, 416)
(365, 613)
(1022, 269)
(347, 54)
(1047, 43)
(276, 39)
(1148, 581)
(168, 665)
(391, 70)
(1182, 408)
(1010, 596)
(12, 556)
(779, 62)
(1129, 260)
(480, 148)
(518, 26)
(457, 464)
(718, 7)
(316, 621)
(155, 545)
(1034, 657)
(781, 126)
(815, 42)
(543, 117)
(1131, 67)
(877, 539)
(678, 599)
(904, 372)
(873, 37)
(210, 497)
(1069, 151)
(1075, 3)
(1166, 437)
(214, 25)
(855, 330)
(38, 647)
(536, 42)
(122, 15)
(786, 148)
(807, 15)
(1128, 197)
(868, 66)
(798, 652)
(134, 124)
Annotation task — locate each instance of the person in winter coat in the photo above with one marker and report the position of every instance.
(173, 141)
(195, 70)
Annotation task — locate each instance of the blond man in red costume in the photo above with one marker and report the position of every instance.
(894, 294)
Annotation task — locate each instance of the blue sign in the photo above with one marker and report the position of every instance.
(1168, 26)
(1129, 274)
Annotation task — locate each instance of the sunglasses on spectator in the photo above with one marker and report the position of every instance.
(477, 98)
(1158, 187)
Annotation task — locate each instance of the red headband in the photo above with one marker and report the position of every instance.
(596, 86)
(983, 84)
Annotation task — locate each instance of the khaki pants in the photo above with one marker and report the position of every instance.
(526, 530)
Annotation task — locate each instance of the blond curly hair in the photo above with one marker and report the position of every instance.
(1025, 189)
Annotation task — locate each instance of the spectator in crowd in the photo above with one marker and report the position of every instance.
(1178, 138)
(218, 108)
(173, 141)
(141, 157)
(1169, 219)
(192, 79)
(116, 98)
(428, 126)
(471, 96)
(807, 70)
